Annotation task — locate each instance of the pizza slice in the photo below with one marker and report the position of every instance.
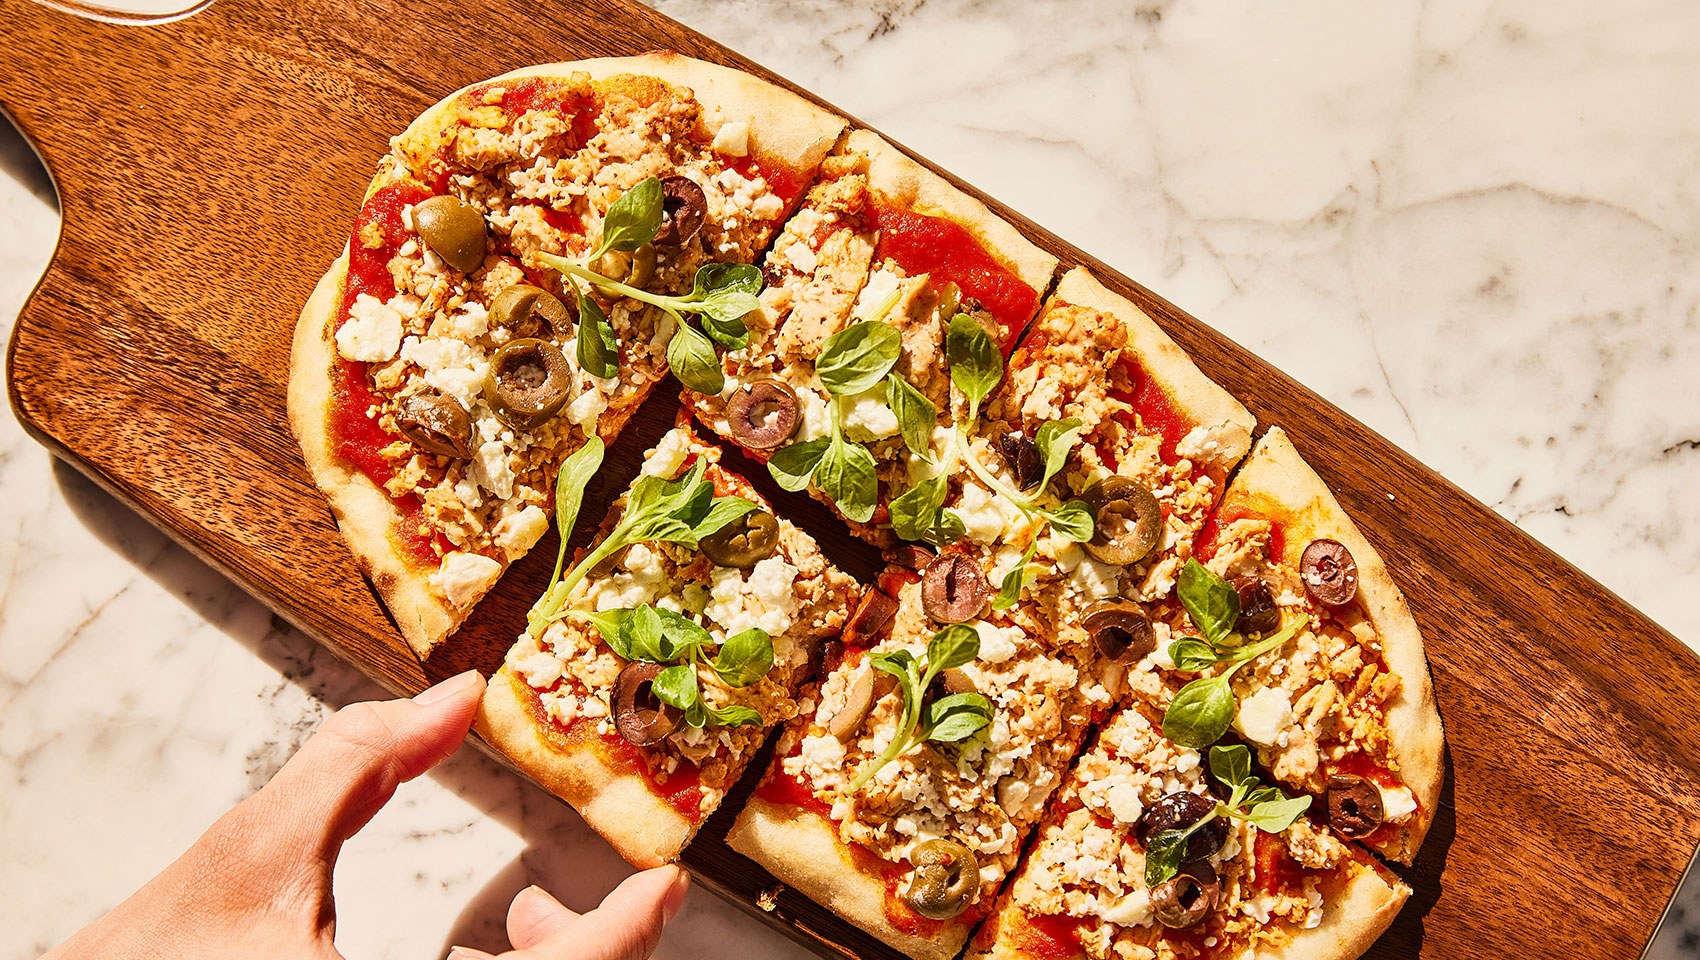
(528, 262)
(846, 380)
(664, 653)
(1291, 631)
(1154, 850)
(902, 797)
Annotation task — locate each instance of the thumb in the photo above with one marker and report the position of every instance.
(351, 767)
(626, 926)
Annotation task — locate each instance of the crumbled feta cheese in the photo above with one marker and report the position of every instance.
(1397, 803)
(635, 581)
(1224, 441)
(1124, 802)
(520, 532)
(469, 322)
(668, 456)
(985, 515)
(1133, 910)
(732, 139)
(538, 670)
(997, 644)
(372, 332)
(763, 600)
(1094, 580)
(869, 418)
(586, 408)
(490, 468)
(826, 752)
(453, 367)
(879, 288)
(1263, 715)
(464, 577)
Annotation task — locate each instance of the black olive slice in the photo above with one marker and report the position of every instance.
(1354, 805)
(1258, 613)
(436, 423)
(909, 555)
(946, 879)
(1180, 810)
(528, 382)
(744, 542)
(528, 311)
(954, 589)
(642, 718)
(869, 686)
(1127, 520)
(1120, 630)
(453, 230)
(1329, 572)
(824, 657)
(1021, 454)
(683, 208)
(763, 414)
(872, 614)
(1187, 897)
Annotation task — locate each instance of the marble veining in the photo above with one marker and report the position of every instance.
(1472, 225)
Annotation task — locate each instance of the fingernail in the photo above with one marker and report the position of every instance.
(676, 894)
(469, 953)
(457, 684)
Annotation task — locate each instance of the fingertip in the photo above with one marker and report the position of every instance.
(675, 894)
(459, 686)
(534, 916)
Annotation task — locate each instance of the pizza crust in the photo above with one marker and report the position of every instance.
(1415, 736)
(1201, 399)
(616, 803)
(892, 173)
(802, 848)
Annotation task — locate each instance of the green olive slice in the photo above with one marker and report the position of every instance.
(528, 310)
(528, 382)
(744, 542)
(435, 423)
(453, 230)
(1127, 520)
(946, 879)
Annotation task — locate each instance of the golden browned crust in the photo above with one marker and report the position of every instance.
(1414, 733)
(617, 804)
(892, 174)
(364, 512)
(1197, 396)
(802, 848)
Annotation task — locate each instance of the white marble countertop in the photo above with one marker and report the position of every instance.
(1475, 226)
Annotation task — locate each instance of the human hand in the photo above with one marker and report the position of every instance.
(258, 882)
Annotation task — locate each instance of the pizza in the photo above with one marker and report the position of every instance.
(1250, 877)
(439, 376)
(680, 636)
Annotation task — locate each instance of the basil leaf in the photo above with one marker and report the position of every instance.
(1263, 795)
(666, 529)
(680, 635)
(670, 495)
(610, 624)
(697, 715)
(576, 472)
(734, 715)
(1191, 654)
(792, 466)
(598, 346)
(976, 366)
(847, 476)
(1274, 816)
(1211, 601)
(953, 646)
(721, 511)
(1055, 438)
(677, 685)
(745, 658)
(894, 662)
(1231, 764)
(957, 717)
(1009, 591)
(854, 360)
(1163, 856)
(693, 359)
(725, 278)
(633, 219)
(950, 528)
(915, 514)
(694, 506)
(728, 332)
(916, 415)
(1073, 520)
(642, 636)
(1199, 715)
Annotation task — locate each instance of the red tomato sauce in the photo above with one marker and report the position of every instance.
(540, 93)
(943, 248)
(785, 182)
(783, 788)
(1209, 535)
(1275, 869)
(683, 790)
(1048, 936)
(1157, 413)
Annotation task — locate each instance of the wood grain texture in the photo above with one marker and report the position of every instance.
(210, 167)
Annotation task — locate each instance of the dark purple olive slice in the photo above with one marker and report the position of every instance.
(642, 718)
(909, 555)
(1354, 805)
(946, 879)
(763, 414)
(824, 657)
(453, 230)
(1180, 810)
(683, 209)
(1329, 572)
(872, 614)
(954, 589)
(1258, 613)
(437, 424)
(1021, 454)
(744, 542)
(528, 382)
(1127, 520)
(529, 311)
(866, 689)
(1187, 897)
(1120, 630)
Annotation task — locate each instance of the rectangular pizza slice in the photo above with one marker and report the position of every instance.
(665, 652)
(1152, 851)
(459, 349)
(845, 378)
(901, 798)
(1290, 630)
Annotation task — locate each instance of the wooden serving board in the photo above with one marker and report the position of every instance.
(209, 169)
